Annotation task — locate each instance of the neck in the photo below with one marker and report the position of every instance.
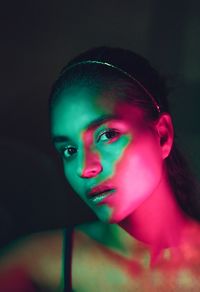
(158, 222)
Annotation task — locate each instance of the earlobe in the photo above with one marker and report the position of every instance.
(165, 132)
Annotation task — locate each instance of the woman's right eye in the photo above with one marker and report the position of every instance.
(68, 151)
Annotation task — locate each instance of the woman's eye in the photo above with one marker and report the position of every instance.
(69, 151)
(108, 135)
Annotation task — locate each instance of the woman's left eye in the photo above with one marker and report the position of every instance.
(108, 135)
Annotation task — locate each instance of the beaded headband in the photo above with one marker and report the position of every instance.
(155, 103)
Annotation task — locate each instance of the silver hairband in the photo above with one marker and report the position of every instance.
(120, 70)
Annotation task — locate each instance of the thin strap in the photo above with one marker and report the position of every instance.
(67, 259)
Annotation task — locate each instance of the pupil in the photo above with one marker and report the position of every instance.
(110, 134)
(71, 150)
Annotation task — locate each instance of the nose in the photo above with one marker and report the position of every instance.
(91, 166)
(91, 170)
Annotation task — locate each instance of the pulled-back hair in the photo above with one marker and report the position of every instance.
(132, 78)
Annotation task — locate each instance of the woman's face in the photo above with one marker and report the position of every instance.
(111, 156)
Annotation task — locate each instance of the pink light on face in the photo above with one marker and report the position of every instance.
(138, 171)
(134, 180)
(132, 164)
(114, 145)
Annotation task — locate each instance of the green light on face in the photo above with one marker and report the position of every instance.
(100, 149)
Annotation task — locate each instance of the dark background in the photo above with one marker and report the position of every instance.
(39, 37)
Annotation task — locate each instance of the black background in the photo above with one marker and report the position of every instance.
(37, 39)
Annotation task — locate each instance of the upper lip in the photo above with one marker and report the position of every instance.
(98, 190)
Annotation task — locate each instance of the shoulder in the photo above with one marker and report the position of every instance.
(37, 257)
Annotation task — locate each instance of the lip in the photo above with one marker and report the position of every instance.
(99, 193)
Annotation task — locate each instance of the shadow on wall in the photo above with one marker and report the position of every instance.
(34, 195)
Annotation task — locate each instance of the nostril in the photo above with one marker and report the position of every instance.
(91, 171)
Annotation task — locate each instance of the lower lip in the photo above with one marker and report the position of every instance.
(98, 199)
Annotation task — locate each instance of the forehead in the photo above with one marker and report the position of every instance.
(77, 107)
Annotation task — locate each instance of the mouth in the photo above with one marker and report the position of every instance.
(98, 194)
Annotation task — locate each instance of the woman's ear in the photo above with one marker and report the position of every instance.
(165, 132)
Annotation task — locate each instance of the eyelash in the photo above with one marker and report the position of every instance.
(107, 131)
(65, 149)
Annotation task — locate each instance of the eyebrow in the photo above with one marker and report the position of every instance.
(59, 139)
(101, 120)
(92, 125)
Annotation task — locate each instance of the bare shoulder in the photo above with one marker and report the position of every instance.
(37, 256)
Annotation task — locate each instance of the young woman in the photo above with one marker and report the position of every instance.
(111, 125)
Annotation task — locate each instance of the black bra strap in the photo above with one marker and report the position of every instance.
(67, 259)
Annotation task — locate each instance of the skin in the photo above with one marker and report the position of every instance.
(131, 160)
(102, 160)
(153, 246)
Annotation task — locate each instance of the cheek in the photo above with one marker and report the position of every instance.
(140, 168)
(111, 155)
(72, 178)
(146, 171)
